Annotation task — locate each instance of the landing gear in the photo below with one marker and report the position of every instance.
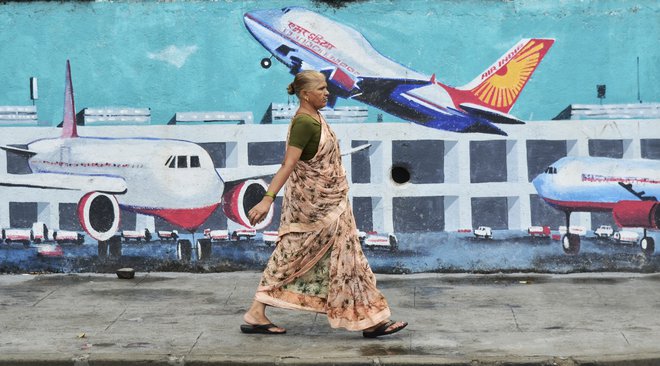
(570, 242)
(266, 62)
(184, 250)
(204, 249)
(647, 244)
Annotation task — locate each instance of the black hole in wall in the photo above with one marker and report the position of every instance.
(400, 174)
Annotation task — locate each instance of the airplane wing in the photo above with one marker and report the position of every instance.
(378, 91)
(69, 182)
(18, 150)
(356, 149)
(639, 194)
(251, 172)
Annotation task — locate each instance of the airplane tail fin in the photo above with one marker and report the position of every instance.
(499, 86)
(69, 121)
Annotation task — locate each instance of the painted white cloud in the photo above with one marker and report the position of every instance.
(173, 55)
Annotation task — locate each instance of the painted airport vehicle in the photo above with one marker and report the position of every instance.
(376, 241)
(172, 179)
(269, 237)
(628, 188)
(40, 232)
(483, 232)
(17, 235)
(244, 233)
(626, 236)
(50, 250)
(302, 39)
(68, 236)
(136, 235)
(539, 231)
(216, 235)
(167, 234)
(604, 231)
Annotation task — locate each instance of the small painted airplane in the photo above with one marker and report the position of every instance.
(302, 39)
(172, 179)
(629, 188)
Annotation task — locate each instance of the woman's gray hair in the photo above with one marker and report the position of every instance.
(304, 80)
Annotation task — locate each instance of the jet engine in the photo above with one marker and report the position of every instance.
(99, 215)
(644, 214)
(239, 199)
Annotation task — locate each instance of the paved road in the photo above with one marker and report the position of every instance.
(455, 319)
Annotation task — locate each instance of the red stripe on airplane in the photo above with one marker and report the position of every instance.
(187, 218)
(584, 206)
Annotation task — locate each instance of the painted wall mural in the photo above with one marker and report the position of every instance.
(168, 150)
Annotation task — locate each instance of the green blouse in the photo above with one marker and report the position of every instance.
(305, 134)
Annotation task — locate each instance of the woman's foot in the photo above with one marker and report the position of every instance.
(255, 318)
(384, 328)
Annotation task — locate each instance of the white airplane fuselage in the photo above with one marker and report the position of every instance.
(319, 42)
(594, 183)
(168, 178)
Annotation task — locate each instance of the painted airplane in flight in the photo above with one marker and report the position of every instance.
(302, 39)
(629, 188)
(172, 179)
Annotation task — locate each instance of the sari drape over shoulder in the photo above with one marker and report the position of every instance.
(318, 263)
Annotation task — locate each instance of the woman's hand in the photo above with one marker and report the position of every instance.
(259, 212)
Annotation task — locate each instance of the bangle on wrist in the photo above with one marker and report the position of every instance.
(269, 194)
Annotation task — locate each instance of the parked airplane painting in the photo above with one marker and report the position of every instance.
(143, 175)
(628, 188)
(302, 39)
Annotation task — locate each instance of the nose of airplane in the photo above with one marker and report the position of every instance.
(540, 183)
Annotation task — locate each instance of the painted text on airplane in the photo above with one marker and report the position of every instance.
(316, 38)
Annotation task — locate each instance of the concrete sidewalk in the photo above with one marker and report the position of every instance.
(464, 319)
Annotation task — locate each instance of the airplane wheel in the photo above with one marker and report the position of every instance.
(204, 249)
(184, 250)
(266, 62)
(647, 244)
(571, 244)
(103, 248)
(115, 246)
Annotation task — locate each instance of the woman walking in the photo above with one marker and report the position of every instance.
(318, 264)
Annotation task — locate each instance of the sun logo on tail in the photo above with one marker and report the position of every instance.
(501, 89)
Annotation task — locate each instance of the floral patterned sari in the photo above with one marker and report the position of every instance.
(318, 264)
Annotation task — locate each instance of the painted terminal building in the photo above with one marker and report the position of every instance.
(411, 178)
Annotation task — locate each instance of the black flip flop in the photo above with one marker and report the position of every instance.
(382, 330)
(259, 329)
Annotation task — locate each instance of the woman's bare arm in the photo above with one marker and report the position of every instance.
(291, 157)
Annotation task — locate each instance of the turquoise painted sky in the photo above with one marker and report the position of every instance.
(198, 56)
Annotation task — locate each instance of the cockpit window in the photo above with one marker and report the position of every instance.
(181, 161)
(551, 170)
(194, 161)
